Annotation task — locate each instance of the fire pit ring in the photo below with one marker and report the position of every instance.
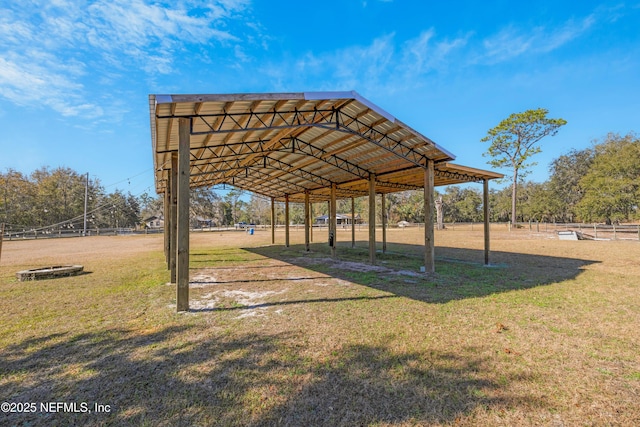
(49, 272)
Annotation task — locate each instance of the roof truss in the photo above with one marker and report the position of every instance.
(282, 145)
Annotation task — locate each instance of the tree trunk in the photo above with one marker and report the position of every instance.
(514, 191)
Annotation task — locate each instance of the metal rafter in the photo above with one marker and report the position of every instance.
(382, 140)
(242, 122)
(275, 133)
(301, 173)
(254, 175)
(333, 119)
(457, 176)
(396, 185)
(320, 154)
(286, 132)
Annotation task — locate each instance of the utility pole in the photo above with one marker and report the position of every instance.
(86, 198)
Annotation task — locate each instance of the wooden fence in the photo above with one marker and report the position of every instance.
(589, 231)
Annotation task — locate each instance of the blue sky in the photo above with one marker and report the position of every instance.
(75, 75)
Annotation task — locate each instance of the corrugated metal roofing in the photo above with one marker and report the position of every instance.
(278, 144)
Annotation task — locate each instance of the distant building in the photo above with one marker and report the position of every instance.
(202, 222)
(156, 221)
(341, 219)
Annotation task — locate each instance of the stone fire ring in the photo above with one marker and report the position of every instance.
(49, 272)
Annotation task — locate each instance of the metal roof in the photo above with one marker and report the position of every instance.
(278, 144)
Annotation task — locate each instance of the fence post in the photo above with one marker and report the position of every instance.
(614, 232)
(1, 238)
(595, 231)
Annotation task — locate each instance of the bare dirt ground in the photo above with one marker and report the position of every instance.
(75, 250)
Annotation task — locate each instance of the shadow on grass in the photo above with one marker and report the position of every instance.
(191, 375)
(460, 273)
(290, 302)
(227, 282)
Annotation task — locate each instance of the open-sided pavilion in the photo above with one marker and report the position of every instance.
(293, 147)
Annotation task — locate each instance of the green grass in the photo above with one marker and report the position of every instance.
(295, 338)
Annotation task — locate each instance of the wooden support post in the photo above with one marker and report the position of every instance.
(333, 229)
(328, 222)
(384, 224)
(173, 216)
(167, 240)
(311, 221)
(273, 221)
(372, 219)
(307, 217)
(353, 223)
(286, 220)
(429, 246)
(182, 267)
(1, 239)
(485, 208)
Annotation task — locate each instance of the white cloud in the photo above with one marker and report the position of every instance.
(512, 42)
(424, 54)
(382, 65)
(73, 44)
(45, 84)
(119, 24)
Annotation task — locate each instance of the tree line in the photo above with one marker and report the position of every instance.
(597, 184)
(55, 198)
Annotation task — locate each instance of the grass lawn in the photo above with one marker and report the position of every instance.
(547, 335)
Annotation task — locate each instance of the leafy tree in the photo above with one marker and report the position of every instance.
(500, 204)
(296, 213)
(151, 205)
(534, 202)
(410, 207)
(205, 203)
(514, 141)
(462, 204)
(60, 195)
(119, 210)
(233, 206)
(259, 209)
(564, 185)
(612, 184)
(17, 194)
